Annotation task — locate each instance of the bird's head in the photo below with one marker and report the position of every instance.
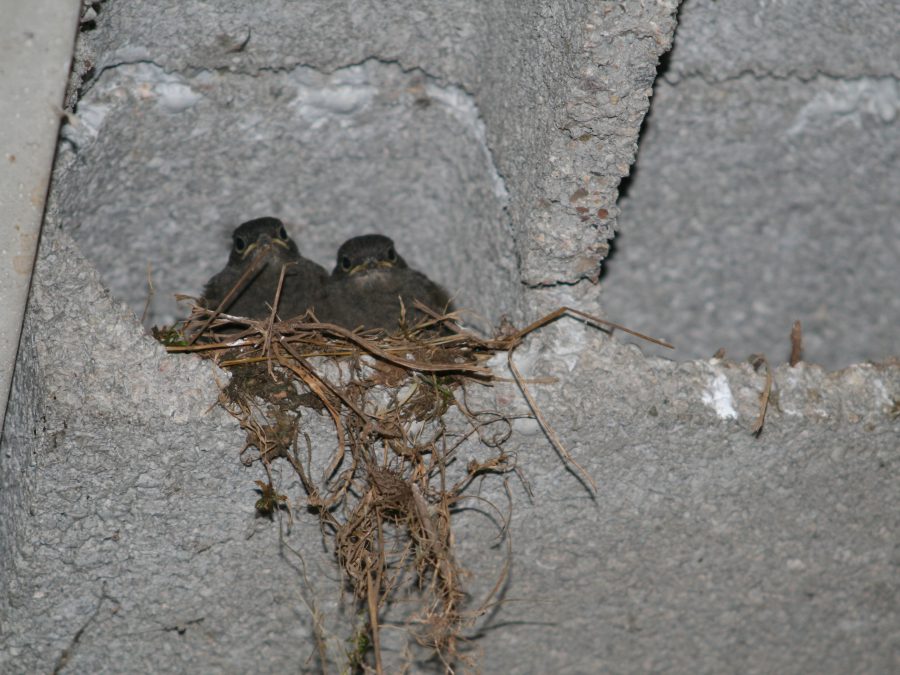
(367, 252)
(254, 235)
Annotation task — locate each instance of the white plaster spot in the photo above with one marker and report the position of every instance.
(796, 565)
(525, 358)
(570, 348)
(718, 397)
(144, 81)
(461, 106)
(497, 362)
(338, 97)
(527, 426)
(341, 96)
(881, 392)
(86, 124)
(848, 102)
(175, 96)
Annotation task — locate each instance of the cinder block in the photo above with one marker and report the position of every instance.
(489, 140)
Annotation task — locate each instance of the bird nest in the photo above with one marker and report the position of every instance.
(400, 413)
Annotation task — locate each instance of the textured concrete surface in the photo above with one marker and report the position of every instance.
(169, 191)
(767, 187)
(36, 41)
(704, 549)
(129, 539)
(491, 137)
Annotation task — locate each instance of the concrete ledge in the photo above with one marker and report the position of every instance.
(705, 548)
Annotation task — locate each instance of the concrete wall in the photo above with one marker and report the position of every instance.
(766, 189)
(484, 137)
(490, 139)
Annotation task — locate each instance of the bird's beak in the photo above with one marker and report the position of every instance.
(370, 264)
(263, 241)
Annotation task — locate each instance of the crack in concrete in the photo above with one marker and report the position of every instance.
(761, 75)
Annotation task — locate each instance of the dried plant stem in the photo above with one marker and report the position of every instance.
(372, 603)
(267, 342)
(796, 343)
(258, 262)
(757, 427)
(151, 291)
(590, 318)
(545, 425)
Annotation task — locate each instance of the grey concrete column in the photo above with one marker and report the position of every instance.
(36, 40)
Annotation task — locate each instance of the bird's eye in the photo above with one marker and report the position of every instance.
(346, 263)
(392, 254)
(282, 233)
(239, 244)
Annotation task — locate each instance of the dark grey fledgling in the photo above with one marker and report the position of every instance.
(368, 282)
(303, 279)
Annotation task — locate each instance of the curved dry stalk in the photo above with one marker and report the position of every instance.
(372, 604)
(252, 270)
(267, 343)
(589, 318)
(545, 425)
(760, 422)
(373, 349)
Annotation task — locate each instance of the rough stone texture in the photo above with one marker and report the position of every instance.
(382, 109)
(135, 543)
(766, 189)
(705, 549)
(727, 38)
(129, 537)
(174, 186)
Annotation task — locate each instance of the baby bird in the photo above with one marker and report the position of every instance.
(368, 282)
(303, 279)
